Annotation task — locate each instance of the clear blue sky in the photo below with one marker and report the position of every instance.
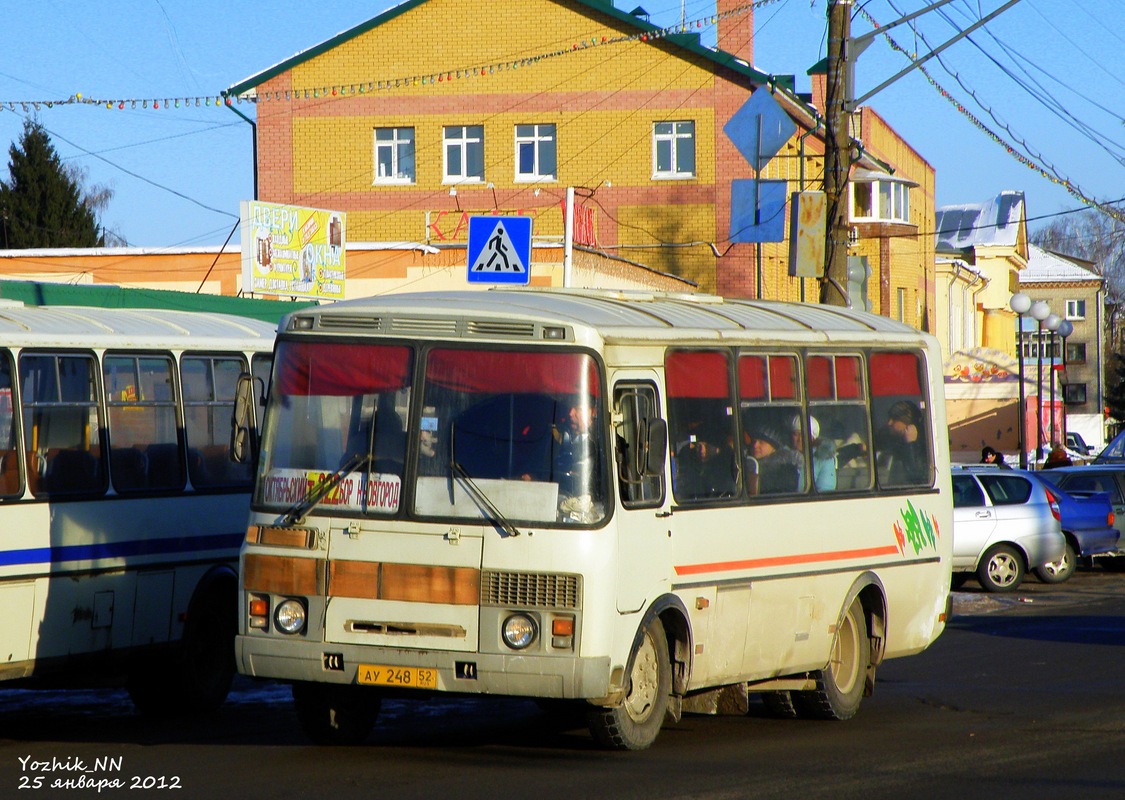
(1052, 71)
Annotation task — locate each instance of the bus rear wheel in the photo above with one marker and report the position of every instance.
(201, 670)
(840, 685)
(331, 714)
(635, 724)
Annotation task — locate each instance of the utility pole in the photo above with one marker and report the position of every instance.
(840, 104)
(837, 155)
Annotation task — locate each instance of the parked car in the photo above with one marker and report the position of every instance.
(1108, 478)
(1004, 524)
(1114, 452)
(1087, 521)
(1076, 443)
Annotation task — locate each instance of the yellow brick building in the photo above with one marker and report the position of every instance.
(437, 110)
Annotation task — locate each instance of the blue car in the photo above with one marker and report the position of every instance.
(1087, 523)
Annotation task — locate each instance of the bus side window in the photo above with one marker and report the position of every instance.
(208, 388)
(839, 419)
(637, 483)
(773, 436)
(65, 442)
(9, 455)
(701, 426)
(902, 442)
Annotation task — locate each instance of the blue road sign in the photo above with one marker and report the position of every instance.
(760, 128)
(499, 250)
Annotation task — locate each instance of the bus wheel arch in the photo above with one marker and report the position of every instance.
(654, 680)
(858, 645)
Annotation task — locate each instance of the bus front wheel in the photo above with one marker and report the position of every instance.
(331, 714)
(840, 685)
(635, 723)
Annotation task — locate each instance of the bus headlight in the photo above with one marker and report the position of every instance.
(519, 631)
(290, 616)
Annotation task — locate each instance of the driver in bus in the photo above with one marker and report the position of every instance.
(577, 462)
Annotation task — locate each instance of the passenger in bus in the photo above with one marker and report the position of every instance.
(704, 470)
(899, 449)
(777, 463)
(823, 454)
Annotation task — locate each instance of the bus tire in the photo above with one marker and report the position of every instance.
(779, 704)
(207, 651)
(635, 724)
(331, 714)
(203, 665)
(840, 685)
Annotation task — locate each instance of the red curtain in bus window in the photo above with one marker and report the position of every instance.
(783, 378)
(333, 368)
(894, 374)
(818, 378)
(751, 378)
(697, 373)
(849, 378)
(518, 372)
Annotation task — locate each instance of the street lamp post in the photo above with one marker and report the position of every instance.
(1052, 324)
(1021, 304)
(1066, 327)
(1039, 311)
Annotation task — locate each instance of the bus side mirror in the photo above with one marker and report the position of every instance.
(655, 448)
(244, 434)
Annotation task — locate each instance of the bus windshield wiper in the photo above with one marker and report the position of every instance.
(494, 514)
(296, 514)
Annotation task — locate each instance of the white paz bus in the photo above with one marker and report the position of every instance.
(642, 503)
(121, 513)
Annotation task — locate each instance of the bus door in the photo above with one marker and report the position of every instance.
(640, 445)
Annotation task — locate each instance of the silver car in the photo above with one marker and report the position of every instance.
(1004, 524)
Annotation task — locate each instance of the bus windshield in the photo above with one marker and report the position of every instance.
(511, 433)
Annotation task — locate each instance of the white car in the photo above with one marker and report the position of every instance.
(1004, 524)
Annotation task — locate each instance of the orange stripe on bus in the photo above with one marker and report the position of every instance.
(787, 561)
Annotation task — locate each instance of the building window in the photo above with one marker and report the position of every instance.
(673, 150)
(536, 153)
(880, 201)
(464, 153)
(1076, 352)
(1076, 309)
(1074, 394)
(394, 155)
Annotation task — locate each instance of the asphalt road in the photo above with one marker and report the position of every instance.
(1021, 697)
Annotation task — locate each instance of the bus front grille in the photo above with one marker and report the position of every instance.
(530, 590)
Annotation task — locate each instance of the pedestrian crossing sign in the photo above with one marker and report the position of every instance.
(499, 249)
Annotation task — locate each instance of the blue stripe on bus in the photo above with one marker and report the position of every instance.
(135, 547)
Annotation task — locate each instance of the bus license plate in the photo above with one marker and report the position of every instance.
(408, 677)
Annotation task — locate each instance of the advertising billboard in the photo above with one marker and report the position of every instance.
(293, 251)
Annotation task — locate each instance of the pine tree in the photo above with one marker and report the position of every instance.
(1115, 388)
(41, 204)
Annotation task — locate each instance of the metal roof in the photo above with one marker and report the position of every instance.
(607, 314)
(1044, 266)
(74, 326)
(996, 222)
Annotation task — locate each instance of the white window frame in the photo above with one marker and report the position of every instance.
(400, 145)
(542, 141)
(681, 130)
(466, 139)
(1076, 309)
(890, 201)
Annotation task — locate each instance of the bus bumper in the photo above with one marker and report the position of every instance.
(466, 673)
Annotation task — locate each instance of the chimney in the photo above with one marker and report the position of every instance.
(736, 28)
(818, 75)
